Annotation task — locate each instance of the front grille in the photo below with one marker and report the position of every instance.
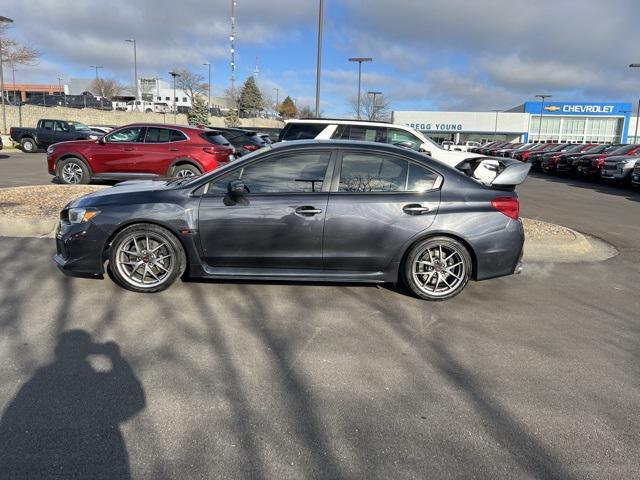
(610, 167)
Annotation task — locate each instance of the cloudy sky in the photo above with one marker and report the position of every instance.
(428, 54)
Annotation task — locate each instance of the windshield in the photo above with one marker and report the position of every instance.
(622, 150)
(79, 126)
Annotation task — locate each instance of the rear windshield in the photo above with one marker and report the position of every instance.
(215, 138)
(301, 131)
(256, 139)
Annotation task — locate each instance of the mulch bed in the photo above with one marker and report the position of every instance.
(41, 200)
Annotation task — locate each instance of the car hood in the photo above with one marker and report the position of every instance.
(127, 188)
(76, 143)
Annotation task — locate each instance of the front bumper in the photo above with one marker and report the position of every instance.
(79, 249)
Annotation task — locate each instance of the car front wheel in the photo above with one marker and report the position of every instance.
(146, 258)
(73, 171)
(437, 268)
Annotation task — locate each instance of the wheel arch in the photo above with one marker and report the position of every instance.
(465, 243)
(185, 161)
(80, 157)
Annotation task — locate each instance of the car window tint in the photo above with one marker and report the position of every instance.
(215, 138)
(177, 136)
(129, 134)
(62, 126)
(292, 173)
(395, 136)
(48, 125)
(301, 131)
(157, 135)
(372, 173)
(367, 134)
(420, 179)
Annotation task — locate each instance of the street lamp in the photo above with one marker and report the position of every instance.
(4, 113)
(277, 98)
(635, 136)
(495, 126)
(135, 66)
(208, 64)
(360, 60)
(373, 108)
(175, 107)
(319, 56)
(543, 97)
(97, 67)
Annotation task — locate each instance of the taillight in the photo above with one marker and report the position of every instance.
(251, 147)
(210, 150)
(510, 206)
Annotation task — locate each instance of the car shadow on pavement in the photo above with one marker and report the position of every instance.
(64, 422)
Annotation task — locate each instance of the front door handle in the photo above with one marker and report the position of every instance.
(174, 150)
(415, 209)
(308, 211)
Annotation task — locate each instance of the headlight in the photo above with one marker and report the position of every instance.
(81, 215)
(50, 148)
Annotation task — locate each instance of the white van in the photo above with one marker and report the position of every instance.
(139, 106)
(383, 132)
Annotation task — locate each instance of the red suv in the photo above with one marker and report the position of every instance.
(140, 151)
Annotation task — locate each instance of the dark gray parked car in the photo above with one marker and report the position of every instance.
(334, 211)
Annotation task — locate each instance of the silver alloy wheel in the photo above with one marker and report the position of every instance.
(185, 173)
(144, 260)
(28, 146)
(72, 173)
(438, 270)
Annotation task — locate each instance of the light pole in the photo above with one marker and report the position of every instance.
(495, 126)
(135, 66)
(360, 60)
(97, 67)
(543, 97)
(635, 137)
(208, 64)
(277, 98)
(375, 104)
(101, 91)
(13, 79)
(175, 107)
(64, 95)
(4, 113)
(319, 53)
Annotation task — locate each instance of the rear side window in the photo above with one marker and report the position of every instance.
(215, 138)
(48, 125)
(177, 136)
(157, 135)
(361, 132)
(302, 131)
(420, 179)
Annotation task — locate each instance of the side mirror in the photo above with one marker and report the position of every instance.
(405, 144)
(237, 188)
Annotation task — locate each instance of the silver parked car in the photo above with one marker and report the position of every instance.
(619, 168)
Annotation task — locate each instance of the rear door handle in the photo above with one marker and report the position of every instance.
(308, 211)
(415, 209)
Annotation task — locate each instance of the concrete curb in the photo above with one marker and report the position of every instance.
(27, 226)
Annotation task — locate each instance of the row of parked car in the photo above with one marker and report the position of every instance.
(611, 162)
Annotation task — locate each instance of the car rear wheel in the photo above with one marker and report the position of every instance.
(185, 170)
(146, 258)
(28, 145)
(73, 171)
(437, 268)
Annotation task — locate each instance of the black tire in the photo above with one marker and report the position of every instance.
(185, 170)
(72, 164)
(458, 275)
(29, 145)
(120, 269)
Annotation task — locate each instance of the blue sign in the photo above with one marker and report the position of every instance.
(585, 109)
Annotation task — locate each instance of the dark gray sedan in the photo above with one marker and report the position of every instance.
(303, 211)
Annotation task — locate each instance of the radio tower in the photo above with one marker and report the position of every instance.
(234, 3)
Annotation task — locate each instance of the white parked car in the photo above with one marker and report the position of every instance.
(139, 106)
(481, 168)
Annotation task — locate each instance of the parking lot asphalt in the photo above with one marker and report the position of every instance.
(530, 376)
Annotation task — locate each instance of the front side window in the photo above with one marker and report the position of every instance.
(126, 135)
(292, 173)
(48, 125)
(157, 135)
(362, 173)
(62, 126)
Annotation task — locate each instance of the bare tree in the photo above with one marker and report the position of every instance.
(380, 111)
(191, 82)
(106, 87)
(14, 53)
(305, 111)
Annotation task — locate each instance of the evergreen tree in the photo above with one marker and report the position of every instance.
(288, 109)
(198, 113)
(250, 100)
(231, 120)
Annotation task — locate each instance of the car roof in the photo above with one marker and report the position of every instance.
(163, 125)
(340, 121)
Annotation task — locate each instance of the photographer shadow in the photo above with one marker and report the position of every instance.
(65, 421)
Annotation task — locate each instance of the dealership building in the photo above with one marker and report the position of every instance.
(566, 122)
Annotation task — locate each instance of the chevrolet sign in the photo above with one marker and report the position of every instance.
(587, 108)
(552, 108)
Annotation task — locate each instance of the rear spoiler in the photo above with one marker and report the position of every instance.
(498, 173)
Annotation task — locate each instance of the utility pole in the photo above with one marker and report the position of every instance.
(495, 127)
(64, 94)
(208, 64)
(319, 55)
(375, 104)
(98, 85)
(277, 98)
(4, 113)
(543, 97)
(13, 79)
(360, 60)
(234, 3)
(175, 107)
(135, 67)
(97, 67)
